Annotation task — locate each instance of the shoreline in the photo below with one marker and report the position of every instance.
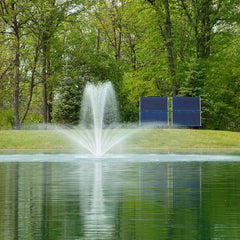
(133, 150)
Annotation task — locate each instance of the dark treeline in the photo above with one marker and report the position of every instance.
(50, 49)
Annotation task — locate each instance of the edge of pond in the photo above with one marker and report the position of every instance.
(136, 150)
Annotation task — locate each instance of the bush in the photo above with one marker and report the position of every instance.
(7, 119)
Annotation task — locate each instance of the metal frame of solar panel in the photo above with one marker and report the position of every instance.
(186, 111)
(153, 111)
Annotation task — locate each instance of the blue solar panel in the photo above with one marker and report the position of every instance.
(155, 118)
(154, 103)
(186, 118)
(186, 111)
(154, 111)
(186, 104)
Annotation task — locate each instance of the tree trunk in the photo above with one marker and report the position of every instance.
(44, 85)
(166, 32)
(31, 84)
(98, 40)
(169, 45)
(119, 42)
(50, 107)
(16, 86)
(132, 52)
(49, 92)
(205, 35)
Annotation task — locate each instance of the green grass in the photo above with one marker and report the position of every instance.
(143, 141)
(33, 141)
(187, 141)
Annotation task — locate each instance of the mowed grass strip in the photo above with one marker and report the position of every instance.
(143, 140)
(186, 140)
(32, 139)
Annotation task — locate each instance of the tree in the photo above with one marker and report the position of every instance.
(144, 47)
(165, 26)
(210, 21)
(109, 23)
(67, 103)
(26, 52)
(47, 17)
(32, 69)
(13, 14)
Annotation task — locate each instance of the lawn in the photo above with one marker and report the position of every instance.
(187, 141)
(142, 141)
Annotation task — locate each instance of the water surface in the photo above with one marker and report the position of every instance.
(135, 197)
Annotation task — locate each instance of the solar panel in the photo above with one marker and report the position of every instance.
(155, 118)
(154, 103)
(186, 118)
(186, 111)
(154, 111)
(186, 104)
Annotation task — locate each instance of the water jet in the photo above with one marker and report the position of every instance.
(99, 129)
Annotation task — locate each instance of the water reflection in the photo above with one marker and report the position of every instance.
(97, 224)
(119, 200)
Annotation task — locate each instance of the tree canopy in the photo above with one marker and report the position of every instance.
(50, 49)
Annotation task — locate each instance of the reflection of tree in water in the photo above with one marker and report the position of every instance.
(16, 204)
(44, 202)
(116, 200)
(38, 203)
(60, 204)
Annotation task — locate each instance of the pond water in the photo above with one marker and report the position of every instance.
(135, 197)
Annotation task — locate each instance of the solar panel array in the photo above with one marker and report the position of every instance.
(186, 111)
(154, 111)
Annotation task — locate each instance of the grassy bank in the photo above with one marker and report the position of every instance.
(143, 141)
(187, 141)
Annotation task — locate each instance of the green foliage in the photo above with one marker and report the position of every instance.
(33, 118)
(223, 87)
(67, 102)
(124, 42)
(7, 119)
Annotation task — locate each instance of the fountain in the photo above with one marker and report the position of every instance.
(99, 129)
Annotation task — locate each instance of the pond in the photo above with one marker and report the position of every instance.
(135, 197)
